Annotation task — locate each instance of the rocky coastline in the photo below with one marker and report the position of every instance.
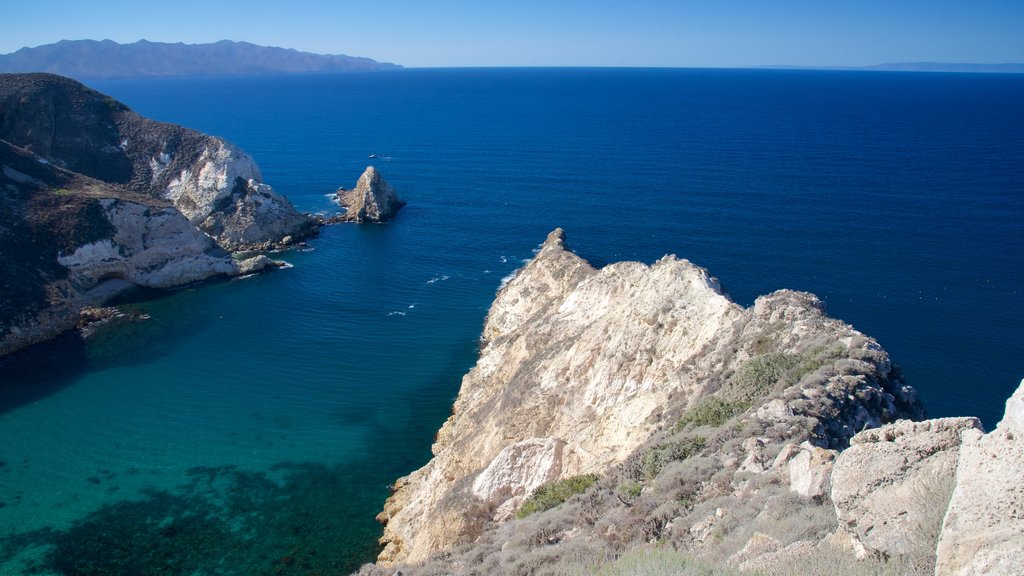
(98, 200)
(626, 410)
(771, 439)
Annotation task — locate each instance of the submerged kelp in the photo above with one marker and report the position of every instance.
(297, 518)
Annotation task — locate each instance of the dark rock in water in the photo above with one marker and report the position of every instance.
(372, 200)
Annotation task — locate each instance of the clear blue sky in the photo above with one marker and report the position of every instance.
(722, 33)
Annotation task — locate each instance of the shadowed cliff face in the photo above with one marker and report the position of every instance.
(581, 368)
(217, 186)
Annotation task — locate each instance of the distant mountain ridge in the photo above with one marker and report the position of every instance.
(94, 59)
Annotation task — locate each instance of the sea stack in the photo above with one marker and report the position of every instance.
(372, 200)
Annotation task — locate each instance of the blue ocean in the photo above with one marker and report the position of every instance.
(253, 426)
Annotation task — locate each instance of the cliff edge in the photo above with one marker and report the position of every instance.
(633, 419)
(618, 373)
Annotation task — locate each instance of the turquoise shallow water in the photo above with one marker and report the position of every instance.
(252, 426)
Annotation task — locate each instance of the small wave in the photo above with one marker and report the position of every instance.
(411, 306)
(503, 259)
(396, 313)
(504, 281)
(440, 278)
(487, 271)
(244, 276)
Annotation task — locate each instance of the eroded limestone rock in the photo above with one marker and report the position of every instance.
(891, 486)
(983, 529)
(594, 357)
(516, 472)
(810, 471)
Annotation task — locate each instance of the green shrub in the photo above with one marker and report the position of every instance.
(758, 376)
(658, 457)
(630, 489)
(549, 495)
(711, 411)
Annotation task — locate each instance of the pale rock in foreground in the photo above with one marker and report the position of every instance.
(983, 530)
(810, 471)
(372, 200)
(891, 486)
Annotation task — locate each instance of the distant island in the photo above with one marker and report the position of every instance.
(1006, 68)
(94, 60)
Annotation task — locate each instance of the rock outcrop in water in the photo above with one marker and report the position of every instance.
(636, 407)
(97, 199)
(372, 200)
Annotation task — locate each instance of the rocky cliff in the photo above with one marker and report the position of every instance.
(372, 200)
(216, 186)
(583, 370)
(96, 199)
(636, 414)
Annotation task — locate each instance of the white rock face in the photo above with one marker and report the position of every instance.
(810, 471)
(592, 358)
(517, 471)
(152, 247)
(983, 530)
(223, 193)
(891, 486)
(197, 189)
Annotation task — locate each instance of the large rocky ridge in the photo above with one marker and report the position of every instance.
(97, 199)
(92, 59)
(614, 372)
(766, 440)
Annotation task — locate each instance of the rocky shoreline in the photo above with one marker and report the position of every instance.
(98, 200)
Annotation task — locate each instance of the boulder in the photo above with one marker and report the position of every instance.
(891, 486)
(372, 200)
(810, 471)
(516, 472)
(983, 530)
